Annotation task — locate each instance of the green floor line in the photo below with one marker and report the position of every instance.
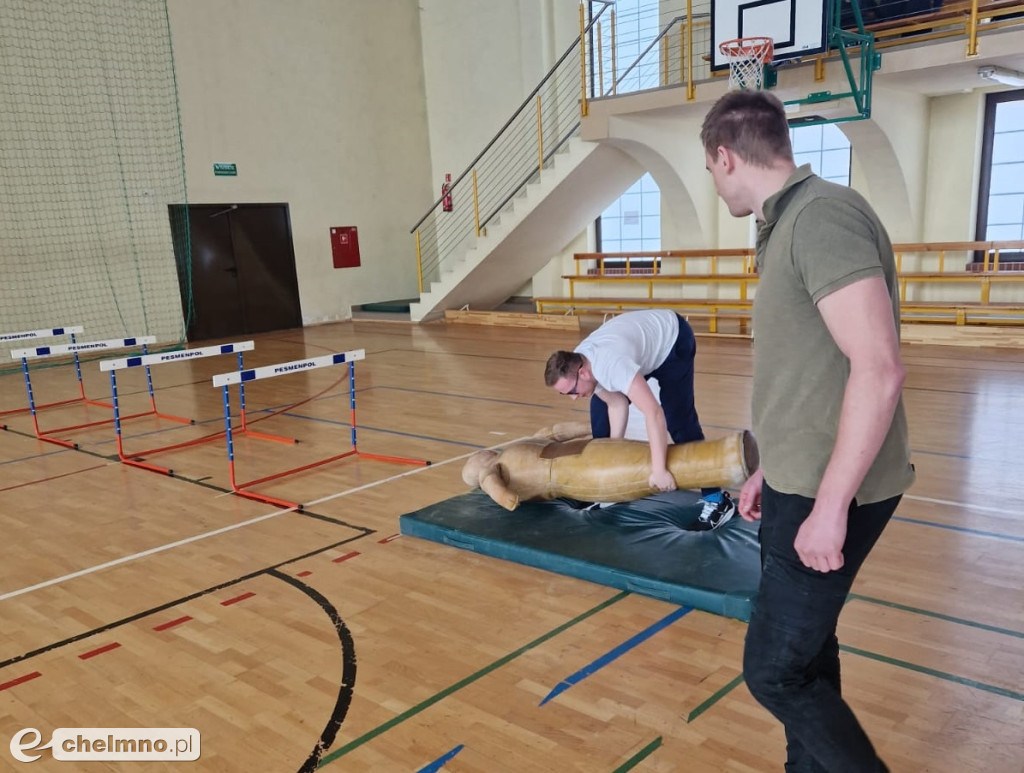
(937, 615)
(933, 672)
(637, 758)
(714, 699)
(467, 681)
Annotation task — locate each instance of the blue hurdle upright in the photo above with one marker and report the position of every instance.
(51, 332)
(225, 380)
(137, 458)
(52, 351)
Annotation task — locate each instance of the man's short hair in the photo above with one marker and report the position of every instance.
(752, 124)
(561, 364)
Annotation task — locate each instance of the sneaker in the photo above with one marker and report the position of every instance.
(718, 508)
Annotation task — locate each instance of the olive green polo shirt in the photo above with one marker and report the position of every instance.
(817, 237)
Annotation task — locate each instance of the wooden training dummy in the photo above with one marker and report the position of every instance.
(566, 462)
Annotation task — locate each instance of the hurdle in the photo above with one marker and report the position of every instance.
(225, 380)
(52, 351)
(136, 459)
(52, 332)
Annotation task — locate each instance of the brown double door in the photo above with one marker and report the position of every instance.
(242, 269)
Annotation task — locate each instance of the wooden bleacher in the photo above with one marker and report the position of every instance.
(953, 18)
(718, 285)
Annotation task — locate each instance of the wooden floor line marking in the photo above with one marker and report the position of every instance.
(714, 698)
(422, 706)
(19, 680)
(225, 529)
(615, 653)
(439, 763)
(951, 503)
(937, 615)
(934, 672)
(960, 529)
(172, 623)
(236, 599)
(639, 757)
(174, 602)
(99, 651)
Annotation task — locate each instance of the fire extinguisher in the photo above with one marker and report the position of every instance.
(446, 196)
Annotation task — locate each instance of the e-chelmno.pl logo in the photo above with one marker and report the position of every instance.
(109, 743)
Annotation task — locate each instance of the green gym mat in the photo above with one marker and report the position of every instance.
(645, 546)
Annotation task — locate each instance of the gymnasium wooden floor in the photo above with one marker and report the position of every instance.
(132, 599)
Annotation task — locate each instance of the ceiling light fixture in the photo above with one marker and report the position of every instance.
(1002, 75)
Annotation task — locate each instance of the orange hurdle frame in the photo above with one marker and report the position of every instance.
(69, 330)
(49, 351)
(225, 380)
(136, 459)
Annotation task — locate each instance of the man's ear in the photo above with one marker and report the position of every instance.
(726, 158)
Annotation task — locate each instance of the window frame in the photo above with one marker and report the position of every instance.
(992, 102)
(642, 265)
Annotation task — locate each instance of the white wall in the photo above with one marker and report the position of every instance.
(321, 104)
(954, 158)
(480, 62)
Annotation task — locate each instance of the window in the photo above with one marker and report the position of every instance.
(825, 148)
(633, 222)
(1001, 188)
(637, 24)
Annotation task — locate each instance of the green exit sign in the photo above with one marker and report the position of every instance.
(225, 170)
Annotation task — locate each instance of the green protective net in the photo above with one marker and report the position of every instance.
(91, 159)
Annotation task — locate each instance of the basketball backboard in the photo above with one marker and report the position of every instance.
(798, 27)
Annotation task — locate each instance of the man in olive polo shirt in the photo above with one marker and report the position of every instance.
(827, 414)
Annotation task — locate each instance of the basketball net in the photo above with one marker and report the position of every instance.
(747, 58)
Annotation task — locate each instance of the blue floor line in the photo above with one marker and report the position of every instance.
(615, 653)
(439, 763)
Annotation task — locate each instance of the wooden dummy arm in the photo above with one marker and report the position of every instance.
(493, 483)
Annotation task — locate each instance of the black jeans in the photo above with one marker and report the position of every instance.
(791, 656)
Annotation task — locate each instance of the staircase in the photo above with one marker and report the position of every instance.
(577, 185)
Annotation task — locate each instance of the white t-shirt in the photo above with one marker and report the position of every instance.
(631, 343)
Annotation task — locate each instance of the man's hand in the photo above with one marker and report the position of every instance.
(662, 480)
(819, 542)
(750, 497)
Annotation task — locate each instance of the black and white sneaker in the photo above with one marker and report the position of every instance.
(718, 508)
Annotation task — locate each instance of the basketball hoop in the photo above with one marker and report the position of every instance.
(747, 58)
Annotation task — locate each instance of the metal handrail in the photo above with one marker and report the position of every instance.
(524, 145)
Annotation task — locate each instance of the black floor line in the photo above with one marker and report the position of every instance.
(348, 674)
(176, 602)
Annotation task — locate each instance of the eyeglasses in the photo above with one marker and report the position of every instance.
(574, 385)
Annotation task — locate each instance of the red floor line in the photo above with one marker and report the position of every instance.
(345, 557)
(304, 574)
(236, 599)
(100, 651)
(52, 477)
(172, 623)
(392, 538)
(19, 680)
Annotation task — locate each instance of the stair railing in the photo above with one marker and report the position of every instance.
(546, 120)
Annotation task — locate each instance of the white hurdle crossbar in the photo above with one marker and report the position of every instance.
(50, 332)
(225, 380)
(146, 360)
(40, 352)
